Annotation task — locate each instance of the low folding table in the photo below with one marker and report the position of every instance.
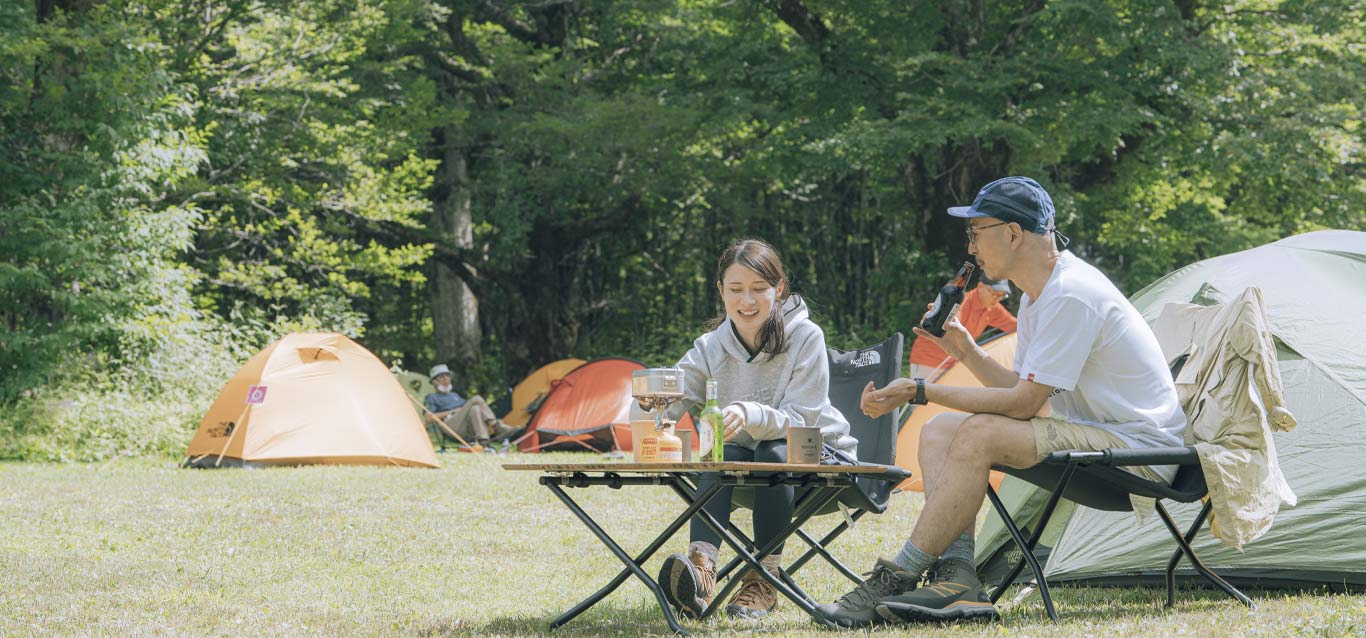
(817, 486)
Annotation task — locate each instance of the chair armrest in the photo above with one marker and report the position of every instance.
(889, 473)
(1121, 457)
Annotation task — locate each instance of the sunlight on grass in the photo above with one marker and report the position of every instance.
(140, 548)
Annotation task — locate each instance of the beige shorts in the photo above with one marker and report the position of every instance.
(1055, 433)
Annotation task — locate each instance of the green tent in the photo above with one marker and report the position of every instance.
(1314, 286)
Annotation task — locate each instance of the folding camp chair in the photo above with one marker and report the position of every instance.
(1104, 485)
(850, 372)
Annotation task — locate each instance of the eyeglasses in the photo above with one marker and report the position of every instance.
(973, 230)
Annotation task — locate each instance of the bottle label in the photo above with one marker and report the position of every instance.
(953, 314)
(938, 301)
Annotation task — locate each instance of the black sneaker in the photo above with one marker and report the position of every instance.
(951, 592)
(856, 608)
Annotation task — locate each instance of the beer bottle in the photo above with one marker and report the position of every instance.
(947, 303)
(711, 422)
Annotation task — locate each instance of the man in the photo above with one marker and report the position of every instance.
(471, 419)
(1081, 347)
(981, 309)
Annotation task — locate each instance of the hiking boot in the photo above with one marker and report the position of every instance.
(690, 582)
(856, 608)
(500, 431)
(757, 597)
(951, 592)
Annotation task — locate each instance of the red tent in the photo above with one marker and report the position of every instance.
(581, 409)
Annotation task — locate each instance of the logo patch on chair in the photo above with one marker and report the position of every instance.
(867, 358)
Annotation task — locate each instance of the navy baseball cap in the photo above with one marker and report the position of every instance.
(1012, 199)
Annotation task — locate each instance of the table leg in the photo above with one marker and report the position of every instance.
(632, 566)
(827, 493)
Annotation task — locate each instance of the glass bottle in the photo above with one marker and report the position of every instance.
(711, 422)
(947, 303)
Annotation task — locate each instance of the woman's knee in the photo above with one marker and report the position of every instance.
(771, 452)
(736, 454)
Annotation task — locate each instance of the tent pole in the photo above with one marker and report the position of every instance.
(240, 424)
(443, 425)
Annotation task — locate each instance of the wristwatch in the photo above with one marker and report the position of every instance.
(919, 392)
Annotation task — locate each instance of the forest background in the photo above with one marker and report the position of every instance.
(496, 184)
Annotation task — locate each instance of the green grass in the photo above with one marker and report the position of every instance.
(140, 548)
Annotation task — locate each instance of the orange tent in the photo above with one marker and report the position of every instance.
(581, 409)
(311, 398)
(533, 390)
(1002, 349)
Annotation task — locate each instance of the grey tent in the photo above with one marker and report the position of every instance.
(1314, 286)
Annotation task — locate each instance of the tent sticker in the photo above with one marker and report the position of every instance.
(256, 395)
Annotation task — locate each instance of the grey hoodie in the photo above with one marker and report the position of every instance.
(787, 389)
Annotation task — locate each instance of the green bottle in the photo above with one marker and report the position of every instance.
(711, 418)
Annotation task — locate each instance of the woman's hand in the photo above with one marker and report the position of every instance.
(733, 418)
(876, 403)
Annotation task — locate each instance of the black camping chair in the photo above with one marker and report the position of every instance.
(850, 371)
(1105, 485)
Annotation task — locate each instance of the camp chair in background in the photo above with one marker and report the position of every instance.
(1105, 485)
(850, 371)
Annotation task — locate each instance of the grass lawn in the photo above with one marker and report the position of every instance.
(140, 548)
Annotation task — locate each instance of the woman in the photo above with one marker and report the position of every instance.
(770, 363)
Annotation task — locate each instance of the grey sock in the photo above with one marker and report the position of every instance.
(913, 559)
(962, 548)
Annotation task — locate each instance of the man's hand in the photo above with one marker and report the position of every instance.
(956, 342)
(876, 403)
(733, 418)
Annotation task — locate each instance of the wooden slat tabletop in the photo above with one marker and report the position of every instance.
(656, 468)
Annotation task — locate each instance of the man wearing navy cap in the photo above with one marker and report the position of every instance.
(1081, 348)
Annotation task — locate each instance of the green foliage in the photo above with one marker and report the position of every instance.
(315, 134)
(185, 179)
(96, 134)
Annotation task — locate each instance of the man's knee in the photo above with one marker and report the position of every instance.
(974, 434)
(995, 438)
(476, 400)
(940, 429)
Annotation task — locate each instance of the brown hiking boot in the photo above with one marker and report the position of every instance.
(951, 592)
(690, 582)
(757, 597)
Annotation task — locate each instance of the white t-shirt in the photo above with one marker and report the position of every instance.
(1084, 338)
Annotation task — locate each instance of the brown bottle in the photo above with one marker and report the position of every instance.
(949, 300)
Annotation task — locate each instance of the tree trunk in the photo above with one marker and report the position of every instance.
(455, 310)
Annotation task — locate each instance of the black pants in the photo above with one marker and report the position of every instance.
(772, 505)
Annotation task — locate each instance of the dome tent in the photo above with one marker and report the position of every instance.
(311, 398)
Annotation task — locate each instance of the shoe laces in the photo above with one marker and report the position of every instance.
(940, 571)
(878, 584)
(755, 593)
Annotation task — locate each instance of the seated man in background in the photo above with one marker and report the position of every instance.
(470, 418)
(981, 309)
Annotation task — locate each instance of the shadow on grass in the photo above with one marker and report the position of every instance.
(1074, 605)
(1136, 603)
